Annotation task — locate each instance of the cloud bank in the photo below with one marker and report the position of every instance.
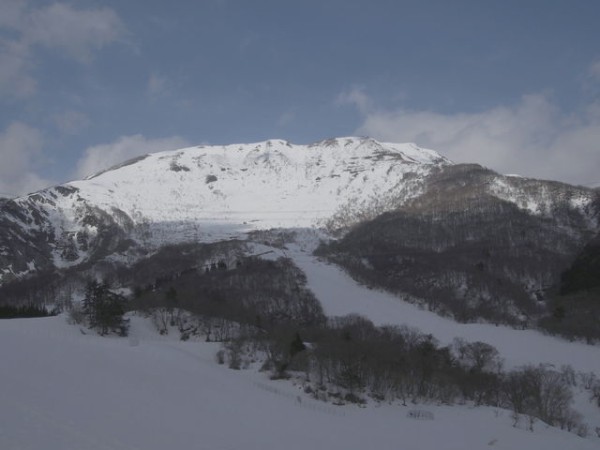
(21, 150)
(533, 137)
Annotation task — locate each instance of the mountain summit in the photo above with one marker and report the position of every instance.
(398, 207)
(266, 184)
(206, 194)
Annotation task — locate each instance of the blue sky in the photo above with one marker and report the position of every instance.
(513, 85)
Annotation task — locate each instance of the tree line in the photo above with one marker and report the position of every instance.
(347, 359)
(262, 311)
(24, 311)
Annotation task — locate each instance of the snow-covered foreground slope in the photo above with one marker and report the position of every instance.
(340, 295)
(62, 390)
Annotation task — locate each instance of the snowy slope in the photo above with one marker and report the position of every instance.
(207, 193)
(341, 295)
(263, 185)
(211, 193)
(66, 391)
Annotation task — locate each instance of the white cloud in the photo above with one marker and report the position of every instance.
(533, 137)
(20, 146)
(595, 70)
(11, 13)
(21, 150)
(76, 33)
(157, 85)
(15, 64)
(100, 157)
(355, 97)
(286, 118)
(71, 122)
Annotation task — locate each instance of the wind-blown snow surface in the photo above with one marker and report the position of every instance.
(62, 390)
(264, 185)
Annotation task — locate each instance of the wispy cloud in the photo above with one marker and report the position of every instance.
(595, 70)
(15, 67)
(286, 118)
(12, 13)
(103, 156)
(74, 33)
(20, 147)
(157, 85)
(77, 32)
(71, 122)
(355, 96)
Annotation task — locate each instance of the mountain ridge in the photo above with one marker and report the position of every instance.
(202, 193)
(207, 194)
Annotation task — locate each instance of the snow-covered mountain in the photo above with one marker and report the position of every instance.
(205, 193)
(457, 239)
(268, 184)
(476, 244)
(213, 193)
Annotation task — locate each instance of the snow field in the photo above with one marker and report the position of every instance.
(64, 390)
(262, 185)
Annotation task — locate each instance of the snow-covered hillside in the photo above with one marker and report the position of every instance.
(74, 390)
(63, 390)
(249, 186)
(340, 295)
(211, 193)
(206, 193)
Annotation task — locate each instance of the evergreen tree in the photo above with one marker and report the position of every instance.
(297, 345)
(104, 309)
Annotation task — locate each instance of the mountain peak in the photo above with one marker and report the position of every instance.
(272, 183)
(209, 193)
(341, 150)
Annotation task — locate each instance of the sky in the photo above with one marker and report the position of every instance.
(86, 84)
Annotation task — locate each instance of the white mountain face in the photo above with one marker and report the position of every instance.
(271, 184)
(212, 193)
